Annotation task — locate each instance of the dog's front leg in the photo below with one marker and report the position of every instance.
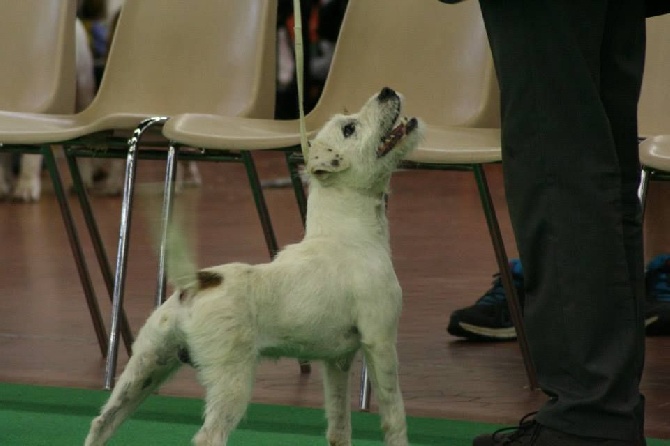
(382, 362)
(338, 405)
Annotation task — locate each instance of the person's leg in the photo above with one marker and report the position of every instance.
(622, 63)
(566, 83)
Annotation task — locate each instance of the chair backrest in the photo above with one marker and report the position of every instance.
(436, 55)
(37, 56)
(178, 56)
(654, 107)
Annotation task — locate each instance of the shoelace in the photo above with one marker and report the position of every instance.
(507, 435)
(496, 294)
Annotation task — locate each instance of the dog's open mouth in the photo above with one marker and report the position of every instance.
(404, 127)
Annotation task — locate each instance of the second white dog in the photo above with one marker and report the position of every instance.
(324, 298)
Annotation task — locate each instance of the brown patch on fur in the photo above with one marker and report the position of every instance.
(208, 279)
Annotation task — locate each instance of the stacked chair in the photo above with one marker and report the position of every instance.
(38, 78)
(167, 57)
(438, 57)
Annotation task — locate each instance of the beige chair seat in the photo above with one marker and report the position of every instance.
(458, 145)
(655, 152)
(232, 133)
(17, 128)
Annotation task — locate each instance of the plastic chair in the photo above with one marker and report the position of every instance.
(167, 57)
(37, 72)
(37, 75)
(438, 57)
(654, 106)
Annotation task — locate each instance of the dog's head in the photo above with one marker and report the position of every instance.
(362, 150)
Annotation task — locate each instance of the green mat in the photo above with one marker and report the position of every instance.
(49, 416)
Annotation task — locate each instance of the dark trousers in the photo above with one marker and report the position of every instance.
(570, 74)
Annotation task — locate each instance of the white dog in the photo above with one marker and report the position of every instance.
(323, 299)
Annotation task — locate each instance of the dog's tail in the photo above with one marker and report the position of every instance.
(180, 258)
(180, 255)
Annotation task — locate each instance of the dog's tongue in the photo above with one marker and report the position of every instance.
(395, 135)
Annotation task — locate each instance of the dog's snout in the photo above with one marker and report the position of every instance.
(386, 94)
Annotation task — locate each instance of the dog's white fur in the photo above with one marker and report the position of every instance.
(323, 299)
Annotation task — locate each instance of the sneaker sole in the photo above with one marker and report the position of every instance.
(477, 333)
(506, 333)
(650, 320)
(474, 332)
(657, 326)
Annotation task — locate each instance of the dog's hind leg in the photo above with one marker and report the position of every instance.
(382, 362)
(155, 357)
(338, 401)
(229, 382)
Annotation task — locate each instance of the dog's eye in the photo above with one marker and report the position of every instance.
(348, 129)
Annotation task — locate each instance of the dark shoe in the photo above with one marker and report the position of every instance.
(524, 433)
(657, 305)
(530, 432)
(489, 318)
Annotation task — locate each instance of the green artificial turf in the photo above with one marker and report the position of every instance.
(52, 416)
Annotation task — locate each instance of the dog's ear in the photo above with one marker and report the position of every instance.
(324, 159)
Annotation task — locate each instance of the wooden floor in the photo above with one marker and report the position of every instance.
(442, 255)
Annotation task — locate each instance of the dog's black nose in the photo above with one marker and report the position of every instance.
(386, 94)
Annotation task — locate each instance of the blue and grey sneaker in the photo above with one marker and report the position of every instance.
(657, 305)
(489, 318)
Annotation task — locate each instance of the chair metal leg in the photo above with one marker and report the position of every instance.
(122, 251)
(645, 177)
(77, 251)
(505, 272)
(261, 206)
(298, 189)
(366, 388)
(96, 239)
(168, 200)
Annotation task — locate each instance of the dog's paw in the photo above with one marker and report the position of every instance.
(339, 441)
(27, 190)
